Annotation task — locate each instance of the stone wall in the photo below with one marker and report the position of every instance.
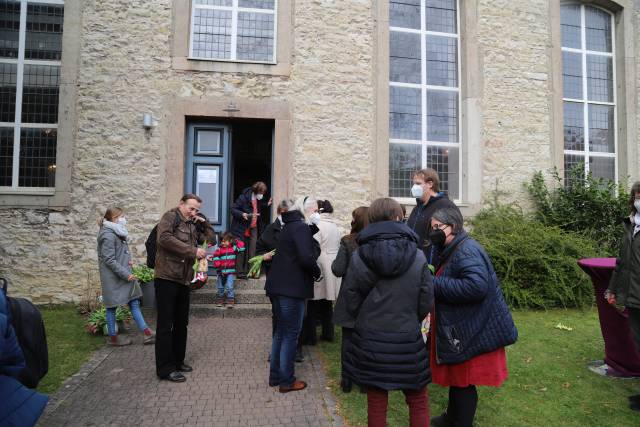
(125, 70)
(514, 37)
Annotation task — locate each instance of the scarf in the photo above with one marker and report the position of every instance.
(120, 230)
(635, 220)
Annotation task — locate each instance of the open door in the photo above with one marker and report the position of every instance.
(207, 170)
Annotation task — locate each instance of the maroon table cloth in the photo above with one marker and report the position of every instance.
(619, 349)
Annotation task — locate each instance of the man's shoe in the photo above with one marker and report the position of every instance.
(175, 377)
(231, 302)
(634, 398)
(296, 386)
(299, 356)
(273, 383)
(219, 301)
(346, 385)
(184, 368)
(119, 341)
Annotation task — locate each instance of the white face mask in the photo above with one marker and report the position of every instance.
(259, 196)
(122, 221)
(636, 204)
(417, 191)
(314, 218)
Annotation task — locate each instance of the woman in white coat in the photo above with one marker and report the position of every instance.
(325, 290)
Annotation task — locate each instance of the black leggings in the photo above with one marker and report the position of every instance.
(463, 402)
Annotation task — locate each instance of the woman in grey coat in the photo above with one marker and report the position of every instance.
(119, 286)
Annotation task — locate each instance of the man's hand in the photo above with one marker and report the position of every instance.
(198, 218)
(200, 253)
(267, 256)
(610, 297)
(131, 278)
(270, 201)
(245, 215)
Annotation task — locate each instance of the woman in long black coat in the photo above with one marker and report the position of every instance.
(389, 292)
(340, 268)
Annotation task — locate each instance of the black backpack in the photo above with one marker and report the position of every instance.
(151, 244)
(29, 327)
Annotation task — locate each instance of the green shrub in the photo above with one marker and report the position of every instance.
(593, 207)
(536, 263)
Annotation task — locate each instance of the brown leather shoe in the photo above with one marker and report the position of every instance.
(296, 386)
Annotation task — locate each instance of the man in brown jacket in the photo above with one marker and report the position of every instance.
(177, 249)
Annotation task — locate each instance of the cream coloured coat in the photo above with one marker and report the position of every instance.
(329, 239)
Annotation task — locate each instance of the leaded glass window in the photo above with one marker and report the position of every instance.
(424, 93)
(30, 55)
(234, 30)
(588, 70)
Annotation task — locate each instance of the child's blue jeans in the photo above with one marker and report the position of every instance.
(134, 305)
(225, 282)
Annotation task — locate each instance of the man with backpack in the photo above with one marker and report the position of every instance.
(177, 249)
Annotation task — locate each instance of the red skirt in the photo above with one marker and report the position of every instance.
(488, 369)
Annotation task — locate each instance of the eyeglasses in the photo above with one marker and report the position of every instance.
(439, 226)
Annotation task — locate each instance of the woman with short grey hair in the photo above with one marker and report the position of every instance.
(470, 324)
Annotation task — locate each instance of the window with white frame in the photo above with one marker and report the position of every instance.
(424, 98)
(589, 97)
(30, 54)
(233, 30)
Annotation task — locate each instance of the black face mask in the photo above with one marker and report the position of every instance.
(437, 238)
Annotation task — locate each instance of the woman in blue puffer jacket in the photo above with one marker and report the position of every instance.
(19, 405)
(470, 324)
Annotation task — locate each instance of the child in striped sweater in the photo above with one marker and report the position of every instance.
(224, 261)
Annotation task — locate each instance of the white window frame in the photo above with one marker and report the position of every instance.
(583, 51)
(17, 124)
(235, 9)
(423, 86)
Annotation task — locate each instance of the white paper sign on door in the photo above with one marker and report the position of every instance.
(207, 176)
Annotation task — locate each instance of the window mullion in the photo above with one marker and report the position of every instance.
(19, 79)
(615, 99)
(585, 96)
(234, 30)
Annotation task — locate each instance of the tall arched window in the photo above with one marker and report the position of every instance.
(589, 96)
(424, 98)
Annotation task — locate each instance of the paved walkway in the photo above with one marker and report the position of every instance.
(228, 386)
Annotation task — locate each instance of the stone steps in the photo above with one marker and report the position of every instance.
(238, 310)
(251, 300)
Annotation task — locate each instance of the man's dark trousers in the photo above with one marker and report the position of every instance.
(172, 300)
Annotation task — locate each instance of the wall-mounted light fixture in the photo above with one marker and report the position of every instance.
(148, 121)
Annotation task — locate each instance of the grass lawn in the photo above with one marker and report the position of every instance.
(69, 344)
(548, 383)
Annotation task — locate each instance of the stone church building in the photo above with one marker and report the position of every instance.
(134, 102)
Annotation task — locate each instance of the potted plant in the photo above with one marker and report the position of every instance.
(97, 319)
(144, 275)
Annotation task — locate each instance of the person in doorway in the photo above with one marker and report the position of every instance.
(119, 286)
(389, 292)
(340, 268)
(224, 261)
(471, 323)
(178, 239)
(289, 284)
(247, 221)
(325, 291)
(624, 287)
(429, 198)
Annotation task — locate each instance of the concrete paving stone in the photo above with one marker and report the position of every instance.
(227, 388)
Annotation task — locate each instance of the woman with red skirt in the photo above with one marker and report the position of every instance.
(470, 322)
